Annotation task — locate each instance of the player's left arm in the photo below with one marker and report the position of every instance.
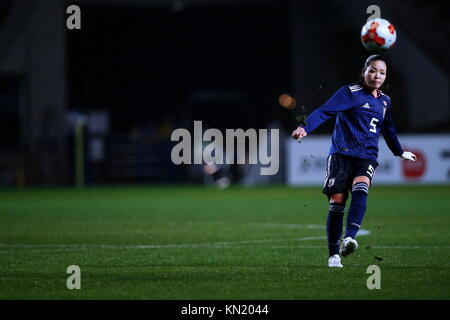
(390, 136)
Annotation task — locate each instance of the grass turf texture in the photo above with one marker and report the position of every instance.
(258, 243)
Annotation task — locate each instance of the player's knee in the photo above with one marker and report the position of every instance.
(360, 186)
(338, 198)
(361, 179)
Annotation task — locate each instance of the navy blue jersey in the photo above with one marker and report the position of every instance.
(361, 118)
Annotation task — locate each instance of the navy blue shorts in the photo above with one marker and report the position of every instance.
(342, 170)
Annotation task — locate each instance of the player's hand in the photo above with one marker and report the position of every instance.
(408, 156)
(299, 133)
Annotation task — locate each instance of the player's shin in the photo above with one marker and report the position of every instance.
(357, 209)
(334, 226)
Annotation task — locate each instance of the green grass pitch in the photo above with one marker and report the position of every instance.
(191, 242)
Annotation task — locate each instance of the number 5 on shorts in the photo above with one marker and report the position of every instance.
(370, 171)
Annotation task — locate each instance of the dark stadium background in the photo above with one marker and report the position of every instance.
(149, 67)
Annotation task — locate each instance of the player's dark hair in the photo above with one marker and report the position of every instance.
(371, 58)
(374, 57)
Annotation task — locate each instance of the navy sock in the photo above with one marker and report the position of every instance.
(357, 209)
(334, 226)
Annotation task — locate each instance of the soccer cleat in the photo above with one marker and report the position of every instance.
(348, 245)
(335, 261)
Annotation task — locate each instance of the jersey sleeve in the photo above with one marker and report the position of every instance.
(340, 101)
(390, 134)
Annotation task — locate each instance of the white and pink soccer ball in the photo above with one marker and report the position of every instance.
(378, 35)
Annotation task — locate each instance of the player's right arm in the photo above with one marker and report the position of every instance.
(340, 101)
(390, 136)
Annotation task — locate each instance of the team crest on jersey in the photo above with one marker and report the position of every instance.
(366, 106)
(331, 182)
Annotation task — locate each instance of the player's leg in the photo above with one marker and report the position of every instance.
(360, 191)
(335, 223)
(336, 188)
(358, 205)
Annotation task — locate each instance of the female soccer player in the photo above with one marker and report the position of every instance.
(362, 113)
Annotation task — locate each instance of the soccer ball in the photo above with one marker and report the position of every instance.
(378, 35)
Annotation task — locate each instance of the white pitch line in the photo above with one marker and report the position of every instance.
(372, 247)
(288, 225)
(362, 232)
(410, 247)
(151, 246)
(37, 248)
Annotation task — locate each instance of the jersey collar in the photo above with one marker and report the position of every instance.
(368, 91)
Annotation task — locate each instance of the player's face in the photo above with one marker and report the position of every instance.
(375, 74)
